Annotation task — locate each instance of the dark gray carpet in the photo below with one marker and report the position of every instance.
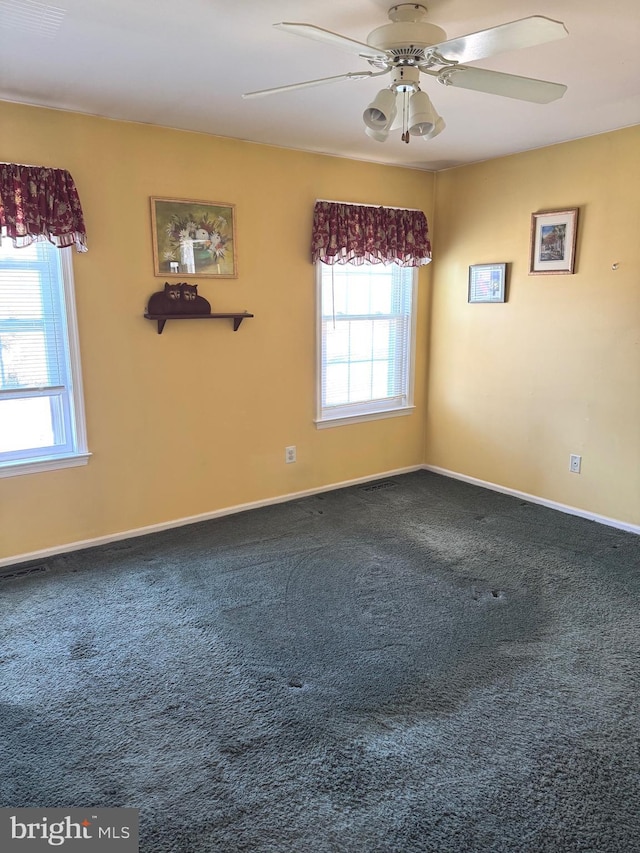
(416, 665)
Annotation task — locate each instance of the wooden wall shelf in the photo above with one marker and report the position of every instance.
(237, 317)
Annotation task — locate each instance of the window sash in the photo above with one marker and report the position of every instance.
(41, 414)
(365, 358)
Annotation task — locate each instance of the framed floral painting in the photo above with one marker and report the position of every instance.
(193, 238)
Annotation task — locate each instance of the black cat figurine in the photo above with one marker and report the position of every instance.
(167, 301)
(178, 299)
(191, 302)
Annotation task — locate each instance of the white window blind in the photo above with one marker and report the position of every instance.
(40, 413)
(365, 340)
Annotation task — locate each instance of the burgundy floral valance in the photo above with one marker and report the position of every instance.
(37, 203)
(358, 233)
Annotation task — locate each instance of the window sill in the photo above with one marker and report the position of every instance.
(327, 423)
(35, 466)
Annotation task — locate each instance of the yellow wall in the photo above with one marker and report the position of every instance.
(515, 388)
(197, 419)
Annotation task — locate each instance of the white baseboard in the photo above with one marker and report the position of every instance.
(206, 516)
(232, 510)
(570, 510)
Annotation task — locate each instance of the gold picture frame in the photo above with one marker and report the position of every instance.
(193, 239)
(554, 235)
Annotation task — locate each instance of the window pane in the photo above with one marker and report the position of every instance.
(38, 408)
(23, 361)
(337, 341)
(7, 250)
(361, 337)
(34, 422)
(381, 342)
(366, 338)
(382, 298)
(21, 297)
(359, 298)
(381, 385)
(359, 382)
(337, 386)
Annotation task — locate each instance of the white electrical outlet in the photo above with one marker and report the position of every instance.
(290, 454)
(574, 463)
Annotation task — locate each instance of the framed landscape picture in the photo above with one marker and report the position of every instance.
(193, 238)
(553, 242)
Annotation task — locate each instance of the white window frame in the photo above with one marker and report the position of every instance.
(369, 409)
(76, 452)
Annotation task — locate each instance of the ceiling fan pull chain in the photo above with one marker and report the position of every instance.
(405, 116)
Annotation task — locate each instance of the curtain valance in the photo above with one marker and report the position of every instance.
(37, 203)
(358, 233)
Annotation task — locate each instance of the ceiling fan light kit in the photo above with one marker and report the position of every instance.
(409, 46)
(378, 135)
(411, 111)
(422, 115)
(381, 112)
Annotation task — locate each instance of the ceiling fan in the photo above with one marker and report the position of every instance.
(410, 46)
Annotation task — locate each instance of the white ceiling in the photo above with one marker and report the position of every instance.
(186, 64)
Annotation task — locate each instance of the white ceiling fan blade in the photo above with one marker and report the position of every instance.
(351, 75)
(507, 85)
(526, 32)
(318, 34)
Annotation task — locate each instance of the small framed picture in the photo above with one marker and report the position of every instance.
(487, 282)
(193, 238)
(553, 242)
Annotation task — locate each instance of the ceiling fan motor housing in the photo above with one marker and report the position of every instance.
(407, 30)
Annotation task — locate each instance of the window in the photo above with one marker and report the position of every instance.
(41, 414)
(365, 341)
